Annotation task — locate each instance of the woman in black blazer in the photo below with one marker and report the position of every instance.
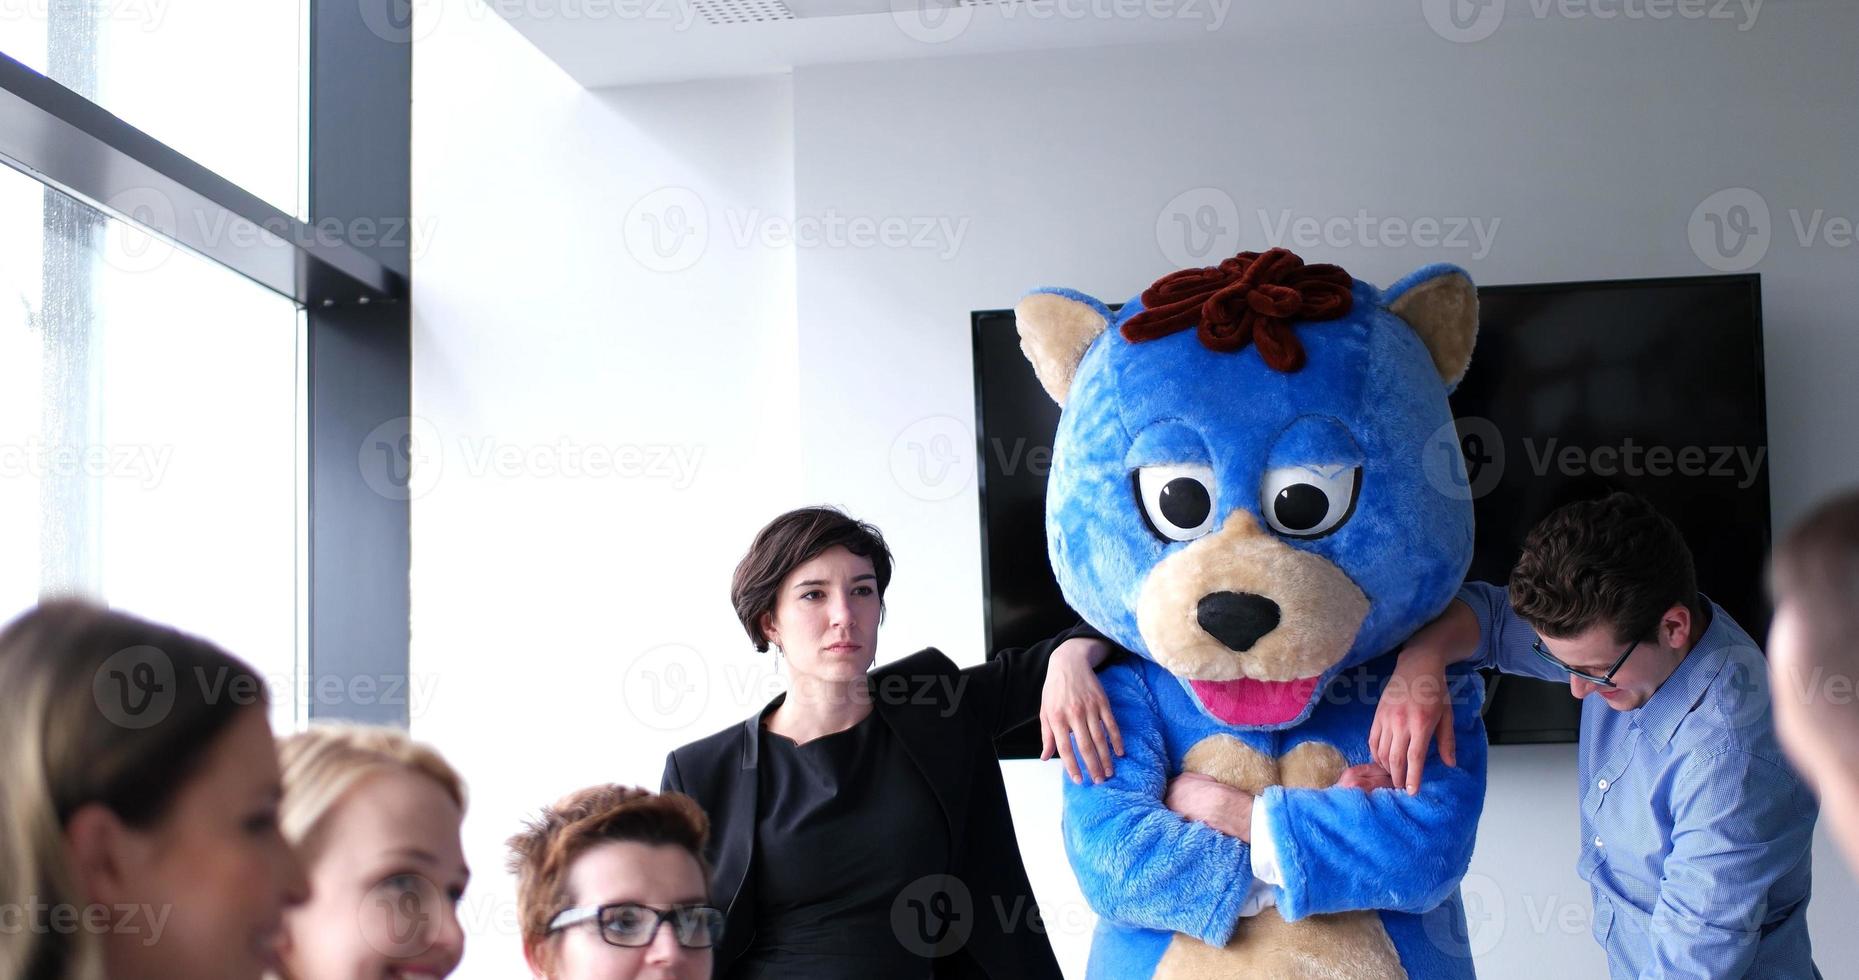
(859, 826)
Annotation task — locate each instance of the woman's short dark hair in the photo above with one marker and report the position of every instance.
(1614, 561)
(792, 540)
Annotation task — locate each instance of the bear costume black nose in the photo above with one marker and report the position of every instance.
(1237, 619)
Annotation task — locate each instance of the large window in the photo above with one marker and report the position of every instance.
(218, 80)
(148, 431)
(168, 444)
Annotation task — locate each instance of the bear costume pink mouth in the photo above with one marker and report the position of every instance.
(1246, 702)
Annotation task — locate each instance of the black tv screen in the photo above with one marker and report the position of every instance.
(1577, 389)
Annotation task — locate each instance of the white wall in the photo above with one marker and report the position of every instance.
(816, 366)
(1587, 143)
(572, 629)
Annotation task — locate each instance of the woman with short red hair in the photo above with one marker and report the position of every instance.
(602, 874)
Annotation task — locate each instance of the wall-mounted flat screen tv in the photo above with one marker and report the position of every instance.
(1576, 389)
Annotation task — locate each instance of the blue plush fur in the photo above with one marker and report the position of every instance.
(1368, 396)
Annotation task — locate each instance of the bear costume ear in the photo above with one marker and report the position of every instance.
(1441, 304)
(1056, 329)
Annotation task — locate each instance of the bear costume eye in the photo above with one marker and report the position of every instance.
(1309, 501)
(1178, 499)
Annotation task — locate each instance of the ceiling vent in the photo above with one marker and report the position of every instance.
(719, 12)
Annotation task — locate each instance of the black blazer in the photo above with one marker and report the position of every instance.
(947, 720)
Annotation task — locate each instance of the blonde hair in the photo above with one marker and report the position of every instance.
(67, 742)
(322, 764)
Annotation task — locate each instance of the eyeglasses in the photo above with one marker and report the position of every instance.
(1601, 680)
(629, 924)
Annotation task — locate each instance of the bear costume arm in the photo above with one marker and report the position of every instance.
(1138, 862)
(1343, 849)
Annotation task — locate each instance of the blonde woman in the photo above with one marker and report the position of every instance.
(374, 816)
(138, 808)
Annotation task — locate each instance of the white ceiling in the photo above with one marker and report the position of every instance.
(631, 42)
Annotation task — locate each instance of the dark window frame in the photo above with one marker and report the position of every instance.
(358, 357)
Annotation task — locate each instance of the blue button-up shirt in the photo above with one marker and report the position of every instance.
(1695, 831)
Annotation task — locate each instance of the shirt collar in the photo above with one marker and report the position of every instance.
(1662, 713)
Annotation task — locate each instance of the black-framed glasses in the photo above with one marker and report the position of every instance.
(1599, 680)
(631, 924)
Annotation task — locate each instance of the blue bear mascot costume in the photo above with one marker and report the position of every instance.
(1242, 494)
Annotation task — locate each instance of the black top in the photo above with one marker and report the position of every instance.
(977, 918)
(825, 886)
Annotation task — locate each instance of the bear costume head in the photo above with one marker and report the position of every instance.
(1256, 482)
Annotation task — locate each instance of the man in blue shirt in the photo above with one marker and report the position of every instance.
(1695, 831)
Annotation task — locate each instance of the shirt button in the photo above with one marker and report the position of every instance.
(1602, 784)
(1597, 842)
